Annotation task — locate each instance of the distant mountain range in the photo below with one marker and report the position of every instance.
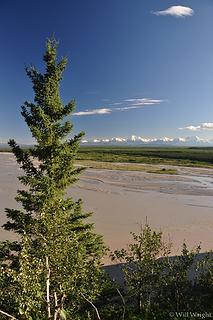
(137, 140)
(141, 141)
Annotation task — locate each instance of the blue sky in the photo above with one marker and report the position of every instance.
(136, 67)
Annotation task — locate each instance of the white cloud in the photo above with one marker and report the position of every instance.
(205, 126)
(191, 128)
(92, 112)
(128, 104)
(138, 103)
(116, 103)
(143, 101)
(176, 11)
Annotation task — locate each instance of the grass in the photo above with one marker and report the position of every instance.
(128, 158)
(182, 156)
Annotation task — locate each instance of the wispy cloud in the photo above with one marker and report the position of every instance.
(106, 100)
(127, 104)
(205, 126)
(143, 101)
(176, 11)
(116, 103)
(92, 112)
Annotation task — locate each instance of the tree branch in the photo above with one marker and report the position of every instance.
(8, 315)
(58, 307)
(48, 288)
(90, 302)
(124, 304)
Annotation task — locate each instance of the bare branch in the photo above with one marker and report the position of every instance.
(62, 301)
(56, 299)
(124, 304)
(58, 307)
(48, 288)
(90, 302)
(8, 315)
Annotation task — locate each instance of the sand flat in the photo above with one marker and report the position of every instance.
(179, 205)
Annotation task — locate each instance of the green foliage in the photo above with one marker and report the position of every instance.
(179, 291)
(204, 282)
(143, 271)
(157, 284)
(58, 255)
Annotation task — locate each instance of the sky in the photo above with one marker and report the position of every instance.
(136, 67)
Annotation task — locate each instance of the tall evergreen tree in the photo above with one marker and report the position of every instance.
(58, 253)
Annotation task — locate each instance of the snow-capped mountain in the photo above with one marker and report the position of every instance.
(138, 140)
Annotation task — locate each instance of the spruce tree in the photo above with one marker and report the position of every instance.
(55, 264)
